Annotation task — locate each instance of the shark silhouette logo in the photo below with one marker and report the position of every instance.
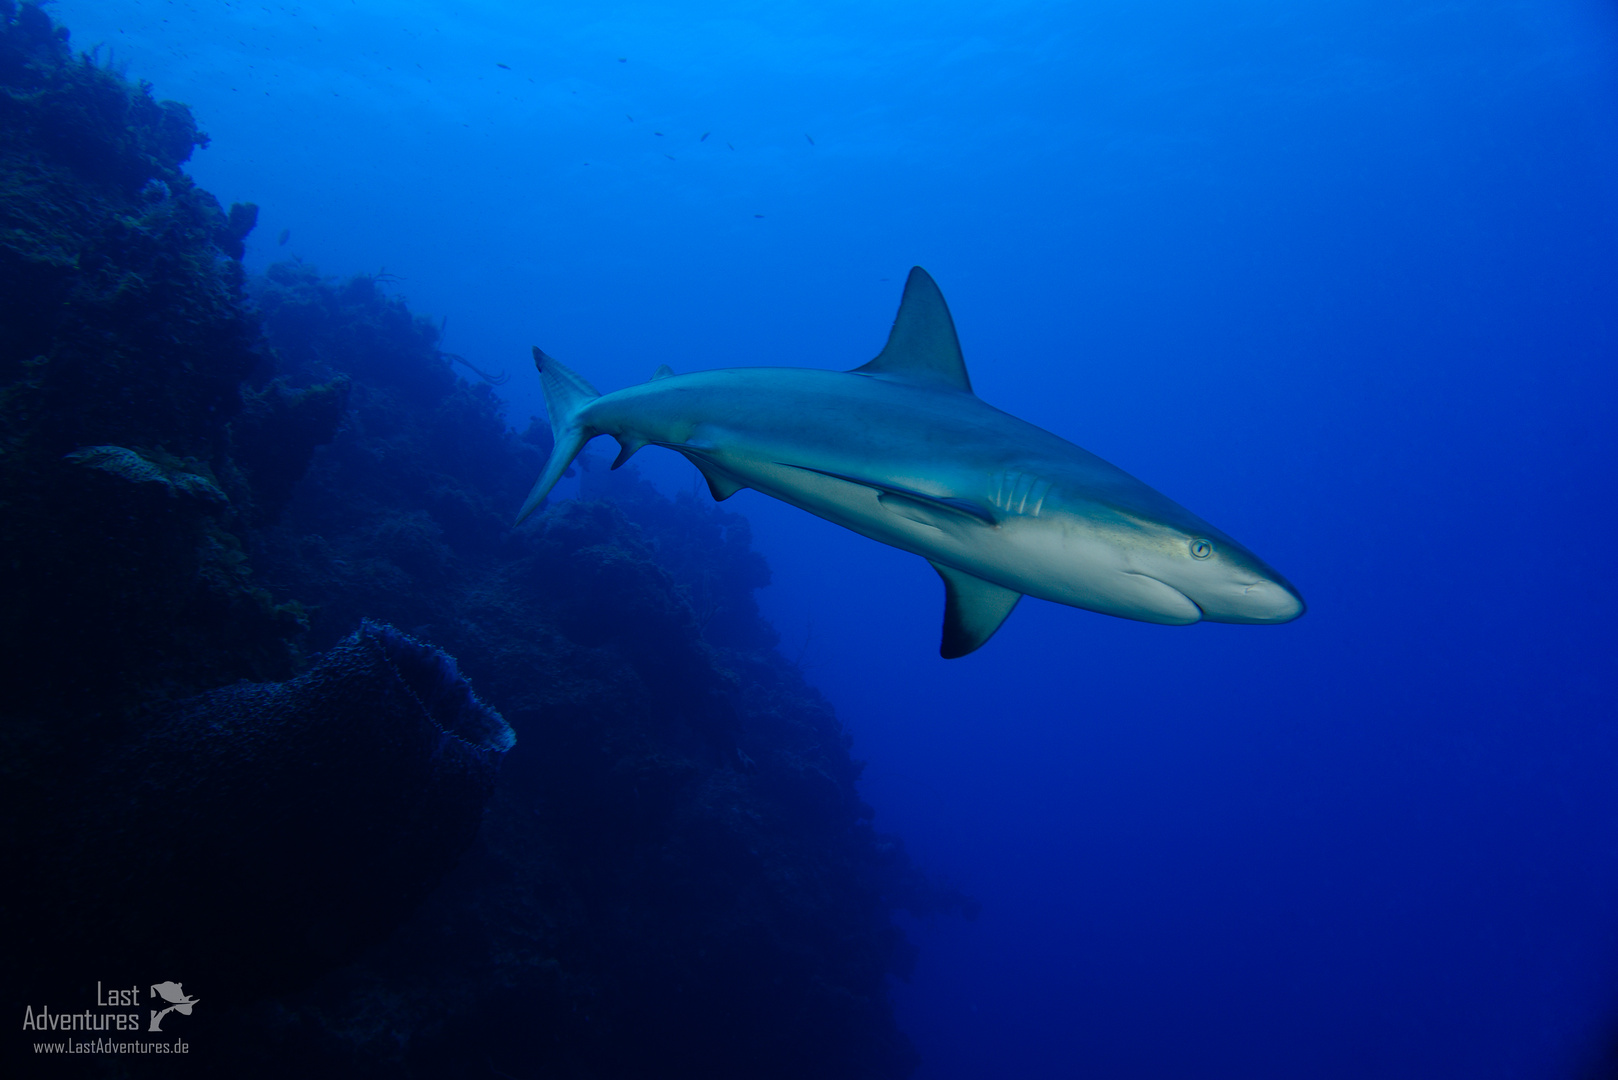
(177, 999)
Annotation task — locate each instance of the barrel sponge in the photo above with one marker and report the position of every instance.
(434, 678)
(262, 833)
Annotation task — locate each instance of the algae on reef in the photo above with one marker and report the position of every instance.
(206, 479)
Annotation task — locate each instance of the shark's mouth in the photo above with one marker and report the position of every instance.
(1201, 612)
(1154, 600)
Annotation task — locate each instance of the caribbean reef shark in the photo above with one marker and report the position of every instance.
(901, 450)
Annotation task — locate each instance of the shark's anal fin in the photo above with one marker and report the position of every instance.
(922, 347)
(973, 610)
(627, 445)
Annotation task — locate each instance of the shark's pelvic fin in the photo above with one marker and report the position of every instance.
(566, 395)
(721, 485)
(973, 610)
(663, 371)
(922, 347)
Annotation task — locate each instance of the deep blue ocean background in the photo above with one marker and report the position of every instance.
(1341, 278)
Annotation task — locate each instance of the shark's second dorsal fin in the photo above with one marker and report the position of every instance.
(663, 372)
(973, 610)
(922, 347)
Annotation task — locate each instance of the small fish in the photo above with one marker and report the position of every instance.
(286, 234)
(669, 156)
(498, 64)
(631, 118)
(659, 134)
(705, 135)
(758, 215)
(811, 139)
(623, 59)
(732, 147)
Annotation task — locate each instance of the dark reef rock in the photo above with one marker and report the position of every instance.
(294, 824)
(677, 875)
(204, 480)
(122, 324)
(275, 437)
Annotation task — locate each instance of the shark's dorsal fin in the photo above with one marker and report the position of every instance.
(973, 610)
(922, 347)
(663, 372)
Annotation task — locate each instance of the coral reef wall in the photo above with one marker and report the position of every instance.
(677, 875)
(122, 327)
(207, 479)
(296, 823)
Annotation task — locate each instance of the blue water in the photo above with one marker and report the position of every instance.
(1341, 278)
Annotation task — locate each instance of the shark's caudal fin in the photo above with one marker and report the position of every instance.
(566, 395)
(922, 347)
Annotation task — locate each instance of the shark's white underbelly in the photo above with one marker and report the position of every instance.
(1029, 555)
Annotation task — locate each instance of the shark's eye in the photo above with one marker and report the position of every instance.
(1201, 549)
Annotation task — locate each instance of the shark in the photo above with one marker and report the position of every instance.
(902, 451)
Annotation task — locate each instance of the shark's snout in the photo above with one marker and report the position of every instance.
(1267, 600)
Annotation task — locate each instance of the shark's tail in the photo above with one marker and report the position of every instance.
(566, 395)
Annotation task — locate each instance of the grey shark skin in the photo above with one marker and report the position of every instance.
(901, 450)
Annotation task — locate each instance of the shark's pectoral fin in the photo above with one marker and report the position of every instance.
(973, 610)
(922, 348)
(944, 514)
